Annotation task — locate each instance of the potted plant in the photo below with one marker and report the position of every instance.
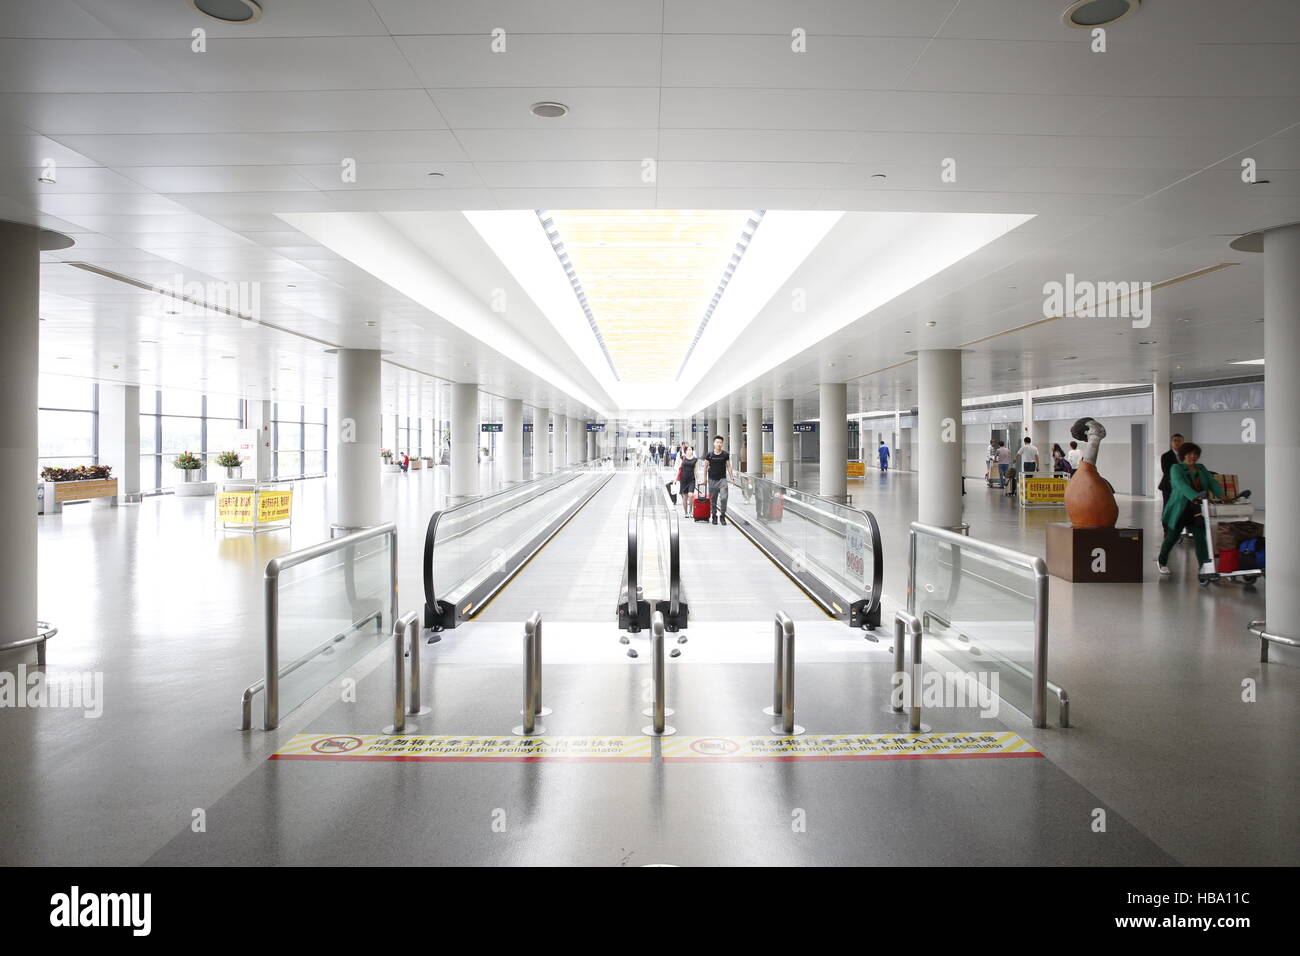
(230, 461)
(387, 455)
(188, 463)
(82, 483)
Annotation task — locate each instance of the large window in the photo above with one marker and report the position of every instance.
(67, 422)
(176, 420)
(301, 441)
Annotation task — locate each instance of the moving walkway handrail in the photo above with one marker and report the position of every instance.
(1029, 562)
(271, 615)
(431, 532)
(868, 521)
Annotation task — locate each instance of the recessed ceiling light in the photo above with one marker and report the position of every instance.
(371, 324)
(229, 11)
(931, 324)
(1147, 342)
(1258, 182)
(290, 285)
(549, 110)
(1069, 358)
(46, 178)
(878, 176)
(436, 174)
(1095, 13)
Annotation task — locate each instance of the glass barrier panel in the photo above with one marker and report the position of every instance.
(333, 610)
(475, 538)
(978, 610)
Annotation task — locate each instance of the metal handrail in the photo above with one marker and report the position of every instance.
(1018, 559)
(674, 564)
(1258, 628)
(876, 588)
(44, 631)
(271, 586)
(431, 532)
(633, 546)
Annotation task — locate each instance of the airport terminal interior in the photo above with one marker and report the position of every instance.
(650, 433)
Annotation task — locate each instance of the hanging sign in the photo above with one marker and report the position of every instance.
(491, 427)
(595, 426)
(806, 427)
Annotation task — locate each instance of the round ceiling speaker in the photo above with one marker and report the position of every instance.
(229, 11)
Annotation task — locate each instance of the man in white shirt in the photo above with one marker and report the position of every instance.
(1074, 456)
(1028, 457)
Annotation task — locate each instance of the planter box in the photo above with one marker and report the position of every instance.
(51, 496)
(195, 489)
(415, 464)
(390, 469)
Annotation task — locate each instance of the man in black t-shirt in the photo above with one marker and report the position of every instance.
(719, 471)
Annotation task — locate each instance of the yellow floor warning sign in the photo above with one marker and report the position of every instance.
(416, 747)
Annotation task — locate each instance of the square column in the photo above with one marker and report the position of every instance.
(119, 437)
(357, 455)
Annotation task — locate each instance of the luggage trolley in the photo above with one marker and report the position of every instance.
(1227, 512)
(992, 474)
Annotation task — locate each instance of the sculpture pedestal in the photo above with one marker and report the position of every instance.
(1095, 555)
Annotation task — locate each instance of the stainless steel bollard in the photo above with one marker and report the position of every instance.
(907, 629)
(532, 679)
(413, 649)
(785, 630)
(777, 679)
(400, 628)
(659, 728)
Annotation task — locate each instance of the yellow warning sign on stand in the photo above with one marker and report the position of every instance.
(638, 748)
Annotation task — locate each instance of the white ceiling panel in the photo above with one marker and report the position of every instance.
(770, 109)
(204, 179)
(966, 111)
(354, 63)
(783, 146)
(146, 19)
(268, 149)
(563, 175)
(534, 60)
(631, 197)
(321, 110)
(1008, 66)
(536, 16)
(398, 200)
(509, 109)
(558, 145)
(221, 205)
(394, 176)
(76, 66)
(820, 18)
(855, 63)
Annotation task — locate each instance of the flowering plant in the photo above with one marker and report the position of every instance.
(79, 473)
(229, 459)
(188, 461)
(386, 454)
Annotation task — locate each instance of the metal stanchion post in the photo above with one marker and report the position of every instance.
(658, 728)
(413, 649)
(896, 682)
(907, 629)
(787, 727)
(777, 679)
(532, 681)
(400, 627)
(536, 622)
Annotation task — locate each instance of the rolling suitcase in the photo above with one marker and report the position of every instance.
(703, 508)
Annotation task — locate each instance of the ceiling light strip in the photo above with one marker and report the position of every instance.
(553, 234)
(746, 237)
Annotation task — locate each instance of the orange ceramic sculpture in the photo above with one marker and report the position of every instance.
(1089, 499)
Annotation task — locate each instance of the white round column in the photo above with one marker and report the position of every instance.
(574, 453)
(735, 439)
(754, 443)
(542, 442)
(464, 440)
(557, 436)
(20, 262)
(938, 437)
(512, 441)
(783, 440)
(356, 456)
(1282, 427)
(833, 440)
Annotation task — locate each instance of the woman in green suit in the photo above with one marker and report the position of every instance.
(1189, 482)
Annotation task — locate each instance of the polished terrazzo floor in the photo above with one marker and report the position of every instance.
(168, 611)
